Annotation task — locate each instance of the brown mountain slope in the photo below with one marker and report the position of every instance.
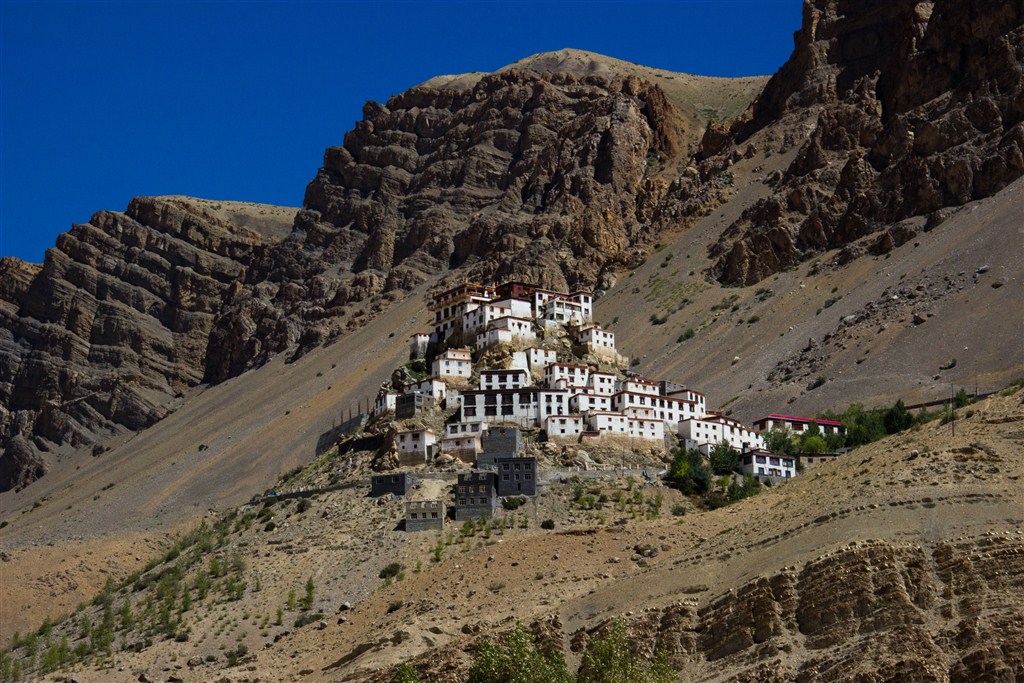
(901, 562)
(91, 516)
(114, 325)
(562, 178)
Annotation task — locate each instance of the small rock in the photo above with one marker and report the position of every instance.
(919, 319)
(345, 606)
(195, 661)
(982, 270)
(322, 625)
(342, 620)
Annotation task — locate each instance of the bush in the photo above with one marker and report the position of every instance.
(390, 571)
(513, 503)
(688, 334)
(307, 618)
(236, 654)
(407, 674)
(303, 505)
(547, 524)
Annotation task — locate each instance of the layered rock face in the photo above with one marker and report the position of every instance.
(916, 106)
(870, 612)
(547, 177)
(116, 322)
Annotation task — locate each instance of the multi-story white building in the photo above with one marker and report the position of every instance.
(517, 406)
(462, 439)
(521, 308)
(636, 384)
(595, 339)
(385, 402)
(505, 330)
(451, 305)
(431, 386)
(602, 383)
(796, 424)
(563, 426)
(539, 358)
(552, 402)
(668, 410)
(415, 446)
(609, 423)
(562, 312)
(504, 379)
(477, 319)
(418, 344)
(648, 429)
(457, 363)
(586, 401)
(573, 375)
(714, 428)
(762, 463)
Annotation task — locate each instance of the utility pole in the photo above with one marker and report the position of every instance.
(952, 410)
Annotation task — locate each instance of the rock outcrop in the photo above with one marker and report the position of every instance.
(912, 107)
(542, 176)
(115, 323)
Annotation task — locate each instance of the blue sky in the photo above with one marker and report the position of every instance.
(103, 101)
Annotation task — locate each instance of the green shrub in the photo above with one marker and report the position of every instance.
(547, 524)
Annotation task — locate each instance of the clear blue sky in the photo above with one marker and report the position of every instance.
(103, 101)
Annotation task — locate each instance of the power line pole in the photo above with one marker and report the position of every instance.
(952, 410)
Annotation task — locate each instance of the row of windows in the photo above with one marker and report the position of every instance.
(470, 501)
(433, 515)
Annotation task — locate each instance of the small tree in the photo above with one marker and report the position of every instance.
(814, 444)
(517, 660)
(307, 600)
(724, 458)
(689, 472)
(962, 399)
(610, 660)
(779, 440)
(897, 418)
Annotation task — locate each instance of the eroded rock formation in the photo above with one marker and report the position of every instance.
(116, 322)
(547, 177)
(913, 106)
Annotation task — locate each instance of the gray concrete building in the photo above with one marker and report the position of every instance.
(424, 515)
(397, 483)
(476, 495)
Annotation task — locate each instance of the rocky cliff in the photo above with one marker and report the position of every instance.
(911, 107)
(115, 324)
(558, 177)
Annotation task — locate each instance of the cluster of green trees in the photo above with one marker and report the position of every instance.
(518, 659)
(864, 425)
(696, 476)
